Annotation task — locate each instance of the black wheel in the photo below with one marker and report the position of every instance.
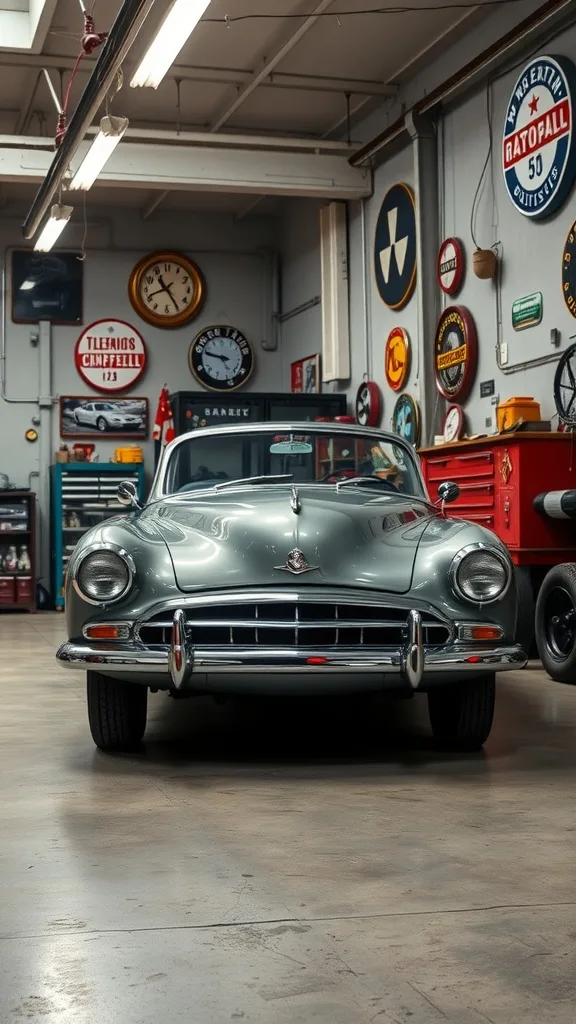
(556, 623)
(116, 712)
(101, 424)
(461, 715)
(525, 610)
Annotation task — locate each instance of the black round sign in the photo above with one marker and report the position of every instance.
(569, 270)
(395, 246)
(221, 358)
(455, 353)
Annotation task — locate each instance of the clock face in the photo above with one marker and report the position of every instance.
(453, 423)
(221, 358)
(166, 289)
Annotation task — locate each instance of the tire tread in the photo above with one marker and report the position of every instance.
(116, 712)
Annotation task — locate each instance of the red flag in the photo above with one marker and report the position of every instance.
(164, 424)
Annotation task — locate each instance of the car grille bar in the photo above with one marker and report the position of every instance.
(295, 624)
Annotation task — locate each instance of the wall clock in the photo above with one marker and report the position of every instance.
(453, 427)
(221, 358)
(450, 266)
(166, 289)
(569, 270)
(395, 246)
(406, 419)
(455, 353)
(397, 358)
(368, 404)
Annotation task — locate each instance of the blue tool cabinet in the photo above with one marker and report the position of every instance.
(83, 495)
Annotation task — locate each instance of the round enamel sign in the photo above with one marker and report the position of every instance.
(455, 353)
(110, 355)
(538, 145)
(395, 246)
(569, 270)
(450, 268)
(406, 419)
(397, 358)
(368, 404)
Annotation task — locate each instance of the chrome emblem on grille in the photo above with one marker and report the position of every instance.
(296, 562)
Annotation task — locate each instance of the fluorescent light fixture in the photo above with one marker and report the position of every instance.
(111, 131)
(174, 31)
(27, 285)
(53, 228)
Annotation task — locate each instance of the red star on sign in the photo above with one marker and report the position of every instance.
(533, 105)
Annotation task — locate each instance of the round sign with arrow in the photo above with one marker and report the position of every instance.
(397, 358)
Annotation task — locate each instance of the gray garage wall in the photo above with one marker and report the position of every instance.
(531, 252)
(234, 258)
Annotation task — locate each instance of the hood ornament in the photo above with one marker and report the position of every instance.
(295, 503)
(296, 563)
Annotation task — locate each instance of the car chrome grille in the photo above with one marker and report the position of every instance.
(295, 624)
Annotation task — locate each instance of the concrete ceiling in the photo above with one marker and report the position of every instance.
(283, 73)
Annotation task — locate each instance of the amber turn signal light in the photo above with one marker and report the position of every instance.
(486, 632)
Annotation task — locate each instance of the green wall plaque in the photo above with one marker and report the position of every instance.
(527, 311)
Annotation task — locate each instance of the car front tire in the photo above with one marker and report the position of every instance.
(116, 712)
(461, 715)
(556, 623)
(101, 424)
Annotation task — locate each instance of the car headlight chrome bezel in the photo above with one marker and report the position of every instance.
(93, 549)
(456, 565)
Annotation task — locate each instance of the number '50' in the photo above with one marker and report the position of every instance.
(535, 167)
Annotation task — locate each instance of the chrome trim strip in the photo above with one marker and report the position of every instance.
(296, 623)
(143, 661)
(310, 595)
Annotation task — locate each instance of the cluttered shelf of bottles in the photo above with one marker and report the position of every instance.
(17, 543)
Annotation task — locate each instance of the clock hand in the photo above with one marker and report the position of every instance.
(166, 288)
(216, 355)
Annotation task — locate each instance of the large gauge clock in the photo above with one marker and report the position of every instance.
(166, 289)
(221, 358)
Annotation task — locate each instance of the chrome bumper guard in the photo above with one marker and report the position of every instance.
(182, 659)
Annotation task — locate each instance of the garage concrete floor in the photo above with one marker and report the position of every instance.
(282, 864)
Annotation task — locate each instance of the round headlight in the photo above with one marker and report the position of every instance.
(103, 577)
(480, 575)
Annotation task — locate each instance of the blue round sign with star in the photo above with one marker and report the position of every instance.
(539, 144)
(395, 246)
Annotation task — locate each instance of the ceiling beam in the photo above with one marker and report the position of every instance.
(270, 63)
(248, 172)
(156, 199)
(218, 76)
(26, 100)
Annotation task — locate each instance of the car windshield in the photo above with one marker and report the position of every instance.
(301, 456)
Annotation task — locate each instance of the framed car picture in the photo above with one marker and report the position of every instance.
(46, 286)
(305, 375)
(103, 417)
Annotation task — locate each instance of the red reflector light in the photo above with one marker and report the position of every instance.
(317, 661)
(473, 660)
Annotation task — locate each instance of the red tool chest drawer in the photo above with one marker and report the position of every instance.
(499, 477)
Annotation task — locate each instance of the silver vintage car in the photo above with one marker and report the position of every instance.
(299, 558)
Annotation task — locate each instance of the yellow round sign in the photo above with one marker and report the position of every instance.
(397, 358)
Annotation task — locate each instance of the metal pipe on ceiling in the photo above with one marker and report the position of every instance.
(466, 76)
(122, 34)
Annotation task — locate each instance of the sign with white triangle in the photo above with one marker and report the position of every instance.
(395, 246)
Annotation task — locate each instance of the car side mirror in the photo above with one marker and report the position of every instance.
(448, 492)
(128, 495)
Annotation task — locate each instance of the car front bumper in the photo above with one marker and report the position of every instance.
(182, 665)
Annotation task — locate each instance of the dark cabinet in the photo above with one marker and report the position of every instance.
(193, 409)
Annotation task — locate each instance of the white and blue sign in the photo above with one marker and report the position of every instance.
(539, 146)
(395, 246)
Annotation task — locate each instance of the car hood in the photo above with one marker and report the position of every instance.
(243, 538)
